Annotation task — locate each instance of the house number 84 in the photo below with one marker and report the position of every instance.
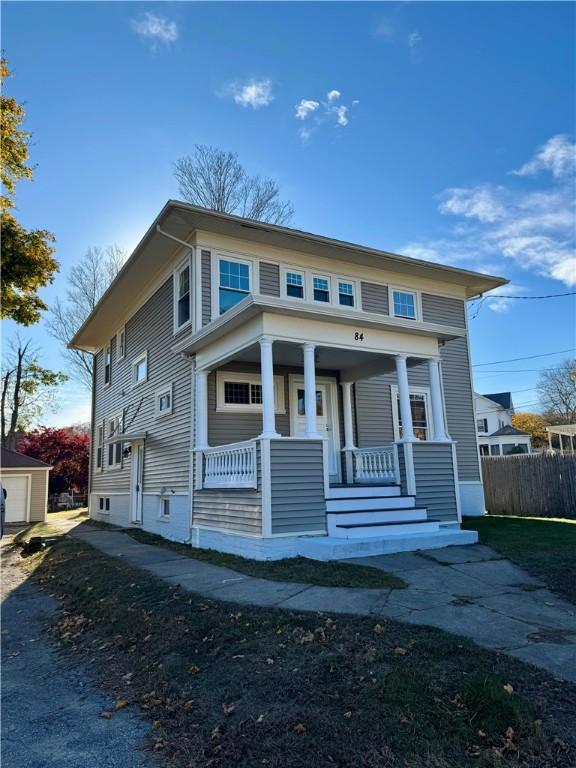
(358, 336)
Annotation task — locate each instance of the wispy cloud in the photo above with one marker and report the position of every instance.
(384, 30)
(254, 93)
(414, 38)
(326, 111)
(535, 230)
(156, 29)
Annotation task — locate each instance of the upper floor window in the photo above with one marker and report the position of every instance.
(345, 293)
(140, 369)
(99, 446)
(404, 304)
(295, 285)
(234, 283)
(482, 425)
(115, 430)
(182, 295)
(164, 401)
(107, 364)
(321, 287)
(121, 344)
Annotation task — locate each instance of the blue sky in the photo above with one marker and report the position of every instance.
(442, 130)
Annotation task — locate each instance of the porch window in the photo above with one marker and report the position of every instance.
(243, 392)
(295, 285)
(321, 287)
(495, 450)
(404, 304)
(107, 364)
(484, 450)
(234, 283)
(419, 405)
(182, 292)
(345, 294)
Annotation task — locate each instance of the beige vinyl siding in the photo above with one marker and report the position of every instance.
(38, 494)
(206, 288)
(435, 487)
(443, 310)
(269, 279)
(374, 298)
(297, 486)
(166, 449)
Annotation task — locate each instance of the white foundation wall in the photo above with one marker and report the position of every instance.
(119, 513)
(177, 526)
(472, 499)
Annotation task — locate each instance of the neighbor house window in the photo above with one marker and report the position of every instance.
(164, 401)
(321, 287)
(121, 344)
(182, 293)
(295, 285)
(345, 293)
(234, 283)
(243, 392)
(495, 450)
(115, 430)
(99, 446)
(404, 304)
(484, 450)
(419, 407)
(482, 425)
(107, 364)
(140, 369)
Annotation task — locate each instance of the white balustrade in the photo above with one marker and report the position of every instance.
(230, 466)
(374, 465)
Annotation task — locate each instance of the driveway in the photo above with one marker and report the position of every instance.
(50, 707)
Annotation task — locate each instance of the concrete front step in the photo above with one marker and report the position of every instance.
(375, 516)
(366, 503)
(360, 491)
(370, 530)
(336, 548)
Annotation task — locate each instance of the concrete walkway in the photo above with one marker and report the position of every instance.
(469, 591)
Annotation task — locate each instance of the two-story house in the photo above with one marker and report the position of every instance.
(496, 435)
(272, 392)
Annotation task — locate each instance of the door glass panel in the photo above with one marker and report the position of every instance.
(302, 403)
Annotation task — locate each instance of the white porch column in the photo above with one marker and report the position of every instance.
(347, 407)
(201, 409)
(267, 379)
(437, 400)
(310, 390)
(550, 441)
(404, 397)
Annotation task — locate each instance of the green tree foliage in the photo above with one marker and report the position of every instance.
(27, 260)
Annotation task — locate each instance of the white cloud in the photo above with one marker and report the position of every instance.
(558, 156)
(156, 29)
(413, 39)
(383, 31)
(305, 107)
(318, 113)
(533, 230)
(255, 94)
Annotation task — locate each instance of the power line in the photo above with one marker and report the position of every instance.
(547, 296)
(527, 357)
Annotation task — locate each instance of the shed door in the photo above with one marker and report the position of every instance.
(17, 490)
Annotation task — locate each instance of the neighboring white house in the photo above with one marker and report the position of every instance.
(496, 435)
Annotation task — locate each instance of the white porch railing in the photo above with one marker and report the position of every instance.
(230, 466)
(375, 464)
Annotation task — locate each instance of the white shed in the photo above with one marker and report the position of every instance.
(26, 483)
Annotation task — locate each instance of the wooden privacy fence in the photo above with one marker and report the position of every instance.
(533, 485)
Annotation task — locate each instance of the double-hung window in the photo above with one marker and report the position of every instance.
(321, 288)
(107, 364)
(404, 304)
(482, 425)
(234, 283)
(182, 310)
(121, 344)
(115, 431)
(294, 284)
(345, 293)
(140, 369)
(419, 407)
(99, 445)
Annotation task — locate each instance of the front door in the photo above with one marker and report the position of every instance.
(326, 418)
(136, 482)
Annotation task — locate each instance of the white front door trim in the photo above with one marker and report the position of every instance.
(136, 477)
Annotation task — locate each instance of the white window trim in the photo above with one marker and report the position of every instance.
(135, 362)
(417, 301)
(161, 516)
(247, 378)
(166, 390)
(100, 445)
(118, 334)
(284, 269)
(185, 264)
(216, 256)
(320, 276)
(396, 416)
(118, 439)
(108, 350)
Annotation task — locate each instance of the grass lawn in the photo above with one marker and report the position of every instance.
(545, 547)
(300, 569)
(234, 687)
(51, 526)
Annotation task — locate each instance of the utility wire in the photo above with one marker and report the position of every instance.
(481, 301)
(527, 357)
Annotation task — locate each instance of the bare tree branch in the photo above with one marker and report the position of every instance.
(557, 392)
(215, 179)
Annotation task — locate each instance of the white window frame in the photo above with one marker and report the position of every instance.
(118, 432)
(484, 430)
(247, 378)
(161, 506)
(317, 302)
(284, 285)
(405, 289)
(186, 264)
(396, 415)
(108, 353)
(166, 390)
(337, 280)
(218, 256)
(143, 357)
(119, 346)
(100, 432)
